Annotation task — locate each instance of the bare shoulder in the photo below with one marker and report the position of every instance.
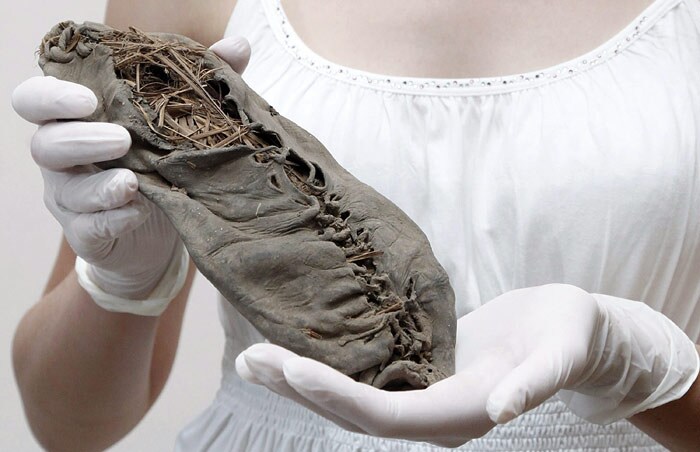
(204, 20)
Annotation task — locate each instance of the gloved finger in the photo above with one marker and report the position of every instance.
(529, 384)
(60, 145)
(235, 50)
(244, 372)
(104, 190)
(447, 409)
(108, 225)
(265, 362)
(40, 99)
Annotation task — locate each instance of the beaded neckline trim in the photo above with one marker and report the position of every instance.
(463, 86)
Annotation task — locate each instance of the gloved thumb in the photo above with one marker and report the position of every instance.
(529, 384)
(234, 50)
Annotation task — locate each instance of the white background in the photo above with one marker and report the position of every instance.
(29, 238)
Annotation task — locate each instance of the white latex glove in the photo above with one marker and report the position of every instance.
(614, 357)
(130, 258)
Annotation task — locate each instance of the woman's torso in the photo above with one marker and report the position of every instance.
(583, 172)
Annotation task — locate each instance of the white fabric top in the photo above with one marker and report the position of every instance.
(586, 173)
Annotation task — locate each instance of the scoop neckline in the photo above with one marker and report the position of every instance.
(293, 44)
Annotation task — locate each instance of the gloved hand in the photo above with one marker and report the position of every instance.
(610, 357)
(130, 258)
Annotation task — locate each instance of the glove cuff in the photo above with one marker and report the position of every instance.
(643, 360)
(169, 286)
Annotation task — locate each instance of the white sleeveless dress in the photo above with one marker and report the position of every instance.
(587, 173)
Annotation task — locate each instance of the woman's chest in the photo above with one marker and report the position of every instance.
(455, 38)
(573, 181)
